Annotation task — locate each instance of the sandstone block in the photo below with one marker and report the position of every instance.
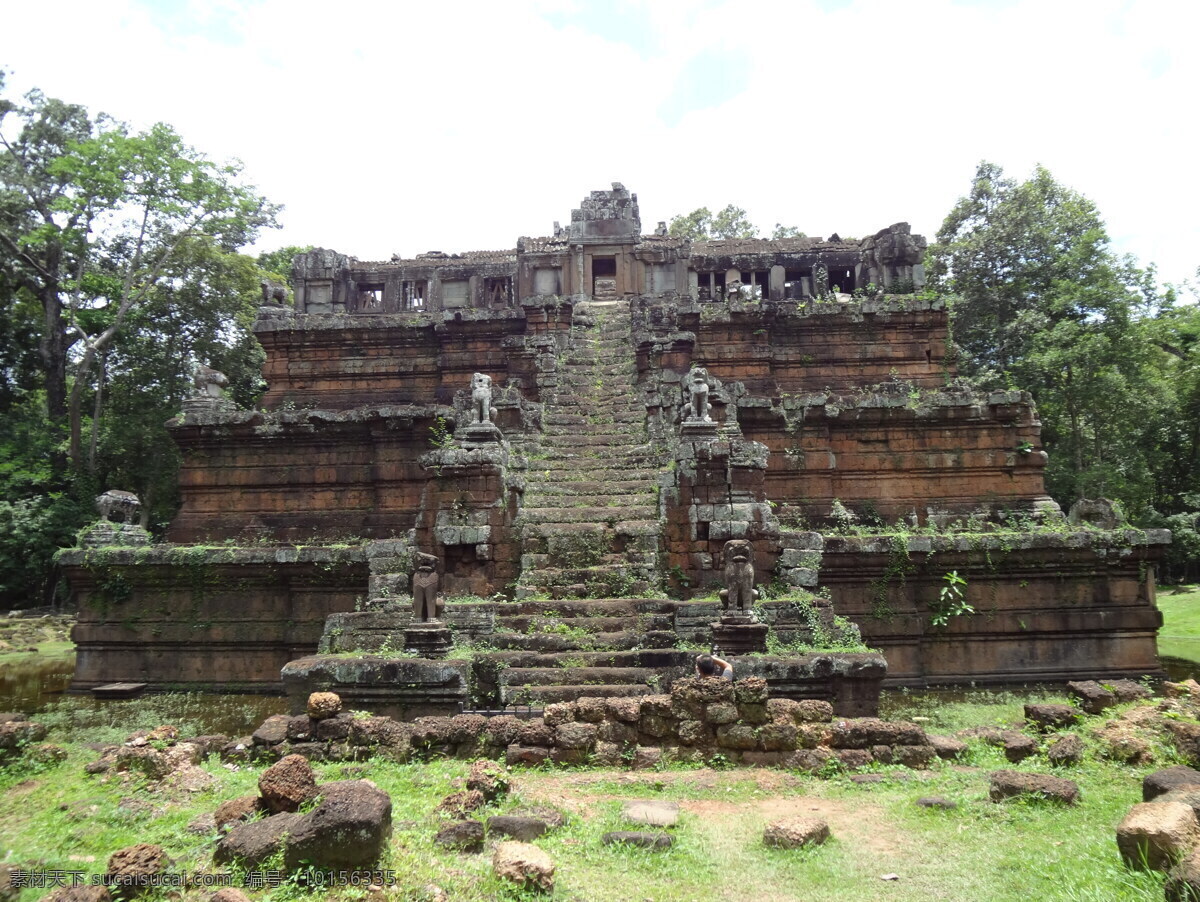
(324, 704)
(1065, 750)
(523, 864)
(1154, 835)
(1007, 784)
(1169, 779)
(287, 784)
(1051, 717)
(795, 832)
(461, 836)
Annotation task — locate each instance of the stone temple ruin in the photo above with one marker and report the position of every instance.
(584, 439)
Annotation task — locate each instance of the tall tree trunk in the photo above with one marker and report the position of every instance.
(96, 409)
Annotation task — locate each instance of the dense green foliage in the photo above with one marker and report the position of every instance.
(119, 271)
(1040, 302)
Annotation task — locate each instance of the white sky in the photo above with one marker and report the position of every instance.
(412, 126)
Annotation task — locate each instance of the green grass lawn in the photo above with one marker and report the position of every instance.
(1180, 634)
(979, 851)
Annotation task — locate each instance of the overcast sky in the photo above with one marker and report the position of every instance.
(415, 126)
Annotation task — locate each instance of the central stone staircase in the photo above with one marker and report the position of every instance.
(590, 523)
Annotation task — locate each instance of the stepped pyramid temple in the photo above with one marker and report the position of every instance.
(553, 457)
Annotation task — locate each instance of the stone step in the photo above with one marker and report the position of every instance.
(532, 624)
(601, 578)
(580, 488)
(567, 472)
(557, 676)
(620, 463)
(592, 607)
(548, 695)
(539, 560)
(585, 439)
(543, 500)
(545, 643)
(621, 528)
(558, 418)
(596, 514)
(630, 432)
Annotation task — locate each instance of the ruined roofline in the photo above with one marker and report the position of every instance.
(549, 244)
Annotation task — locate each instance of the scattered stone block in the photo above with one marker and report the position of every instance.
(131, 869)
(460, 804)
(523, 864)
(948, 748)
(236, 810)
(272, 731)
(489, 778)
(1018, 746)
(795, 832)
(229, 894)
(642, 839)
(814, 711)
(1065, 751)
(516, 827)
(78, 894)
(287, 784)
(1048, 718)
(348, 829)
(1187, 796)
(938, 802)
(202, 825)
(1186, 738)
(1008, 784)
(1183, 882)
(1154, 835)
(1169, 779)
(1129, 691)
(721, 713)
(917, 757)
(1093, 698)
(145, 760)
(864, 732)
(254, 842)
(651, 813)
(461, 836)
(322, 705)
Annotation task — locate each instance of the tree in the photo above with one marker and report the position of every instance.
(95, 219)
(782, 231)
(702, 225)
(1039, 302)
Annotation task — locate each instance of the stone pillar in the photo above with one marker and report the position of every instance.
(778, 275)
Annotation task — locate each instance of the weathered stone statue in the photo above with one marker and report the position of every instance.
(274, 293)
(482, 410)
(696, 409)
(427, 606)
(209, 382)
(739, 591)
(117, 506)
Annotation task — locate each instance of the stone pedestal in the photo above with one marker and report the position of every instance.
(105, 533)
(738, 634)
(431, 639)
(480, 434)
(698, 430)
(202, 405)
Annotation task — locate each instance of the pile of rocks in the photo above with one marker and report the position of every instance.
(346, 827)
(1162, 832)
(700, 719)
(160, 756)
(22, 738)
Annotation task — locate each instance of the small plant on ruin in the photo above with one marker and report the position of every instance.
(440, 435)
(952, 600)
